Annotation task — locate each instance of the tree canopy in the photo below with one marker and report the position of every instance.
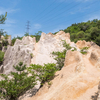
(89, 31)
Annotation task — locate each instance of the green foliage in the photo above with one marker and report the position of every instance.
(60, 56)
(38, 35)
(2, 33)
(45, 73)
(88, 31)
(74, 49)
(5, 42)
(3, 18)
(31, 54)
(67, 46)
(32, 36)
(14, 39)
(6, 36)
(84, 50)
(26, 34)
(1, 57)
(12, 88)
(0, 46)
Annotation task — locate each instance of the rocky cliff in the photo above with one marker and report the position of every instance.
(40, 52)
(77, 80)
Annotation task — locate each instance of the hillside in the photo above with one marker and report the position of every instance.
(88, 31)
(74, 66)
(78, 79)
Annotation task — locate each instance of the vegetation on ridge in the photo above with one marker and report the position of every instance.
(1, 57)
(88, 31)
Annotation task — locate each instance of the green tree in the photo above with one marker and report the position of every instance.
(60, 56)
(38, 35)
(2, 20)
(80, 35)
(45, 73)
(26, 34)
(12, 88)
(1, 57)
(94, 33)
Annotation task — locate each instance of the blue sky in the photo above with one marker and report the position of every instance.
(46, 15)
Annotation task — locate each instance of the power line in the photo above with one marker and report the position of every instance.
(65, 10)
(74, 18)
(45, 8)
(61, 13)
(51, 10)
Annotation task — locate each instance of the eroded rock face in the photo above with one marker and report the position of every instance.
(72, 57)
(77, 80)
(9, 39)
(42, 51)
(80, 44)
(47, 44)
(18, 52)
(95, 58)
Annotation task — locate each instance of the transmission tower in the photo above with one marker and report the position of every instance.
(28, 27)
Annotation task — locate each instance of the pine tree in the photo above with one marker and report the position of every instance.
(2, 20)
(12, 88)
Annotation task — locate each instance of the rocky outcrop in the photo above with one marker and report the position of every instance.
(80, 44)
(47, 44)
(77, 80)
(41, 51)
(8, 39)
(21, 51)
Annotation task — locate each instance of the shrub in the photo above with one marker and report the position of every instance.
(84, 50)
(1, 57)
(31, 54)
(60, 56)
(5, 42)
(67, 46)
(45, 73)
(11, 89)
(74, 49)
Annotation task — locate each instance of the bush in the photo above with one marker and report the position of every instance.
(45, 73)
(1, 57)
(67, 46)
(31, 54)
(60, 56)
(5, 42)
(84, 50)
(11, 89)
